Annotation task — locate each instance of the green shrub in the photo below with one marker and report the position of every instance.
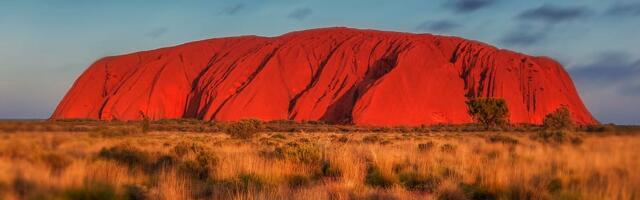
(490, 112)
(576, 140)
(518, 191)
(242, 183)
(448, 148)
(163, 162)
(386, 142)
(552, 136)
(376, 178)
(126, 154)
(244, 129)
(56, 162)
(560, 119)
(502, 139)
(4, 187)
(328, 170)
(426, 146)
(343, 139)
(23, 187)
(600, 128)
(305, 153)
(146, 125)
(251, 180)
(418, 181)
(115, 131)
(452, 194)
(201, 167)
(477, 191)
(92, 192)
(371, 139)
(279, 136)
(298, 181)
(567, 195)
(183, 148)
(136, 192)
(555, 185)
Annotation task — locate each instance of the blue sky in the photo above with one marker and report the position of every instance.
(45, 45)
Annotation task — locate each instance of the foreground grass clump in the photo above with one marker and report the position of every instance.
(549, 164)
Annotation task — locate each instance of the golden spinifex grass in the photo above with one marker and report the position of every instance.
(177, 165)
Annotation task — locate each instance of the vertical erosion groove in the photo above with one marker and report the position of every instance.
(249, 79)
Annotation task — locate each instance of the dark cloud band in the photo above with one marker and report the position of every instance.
(469, 5)
(300, 13)
(553, 14)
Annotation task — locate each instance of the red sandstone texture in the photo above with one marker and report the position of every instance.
(339, 75)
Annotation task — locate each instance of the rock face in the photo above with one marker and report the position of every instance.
(340, 75)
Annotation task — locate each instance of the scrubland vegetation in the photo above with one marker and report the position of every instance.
(189, 159)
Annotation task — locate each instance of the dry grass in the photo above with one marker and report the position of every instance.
(450, 165)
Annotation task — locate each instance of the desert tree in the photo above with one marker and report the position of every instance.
(490, 112)
(560, 119)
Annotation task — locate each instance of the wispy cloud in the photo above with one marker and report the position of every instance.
(526, 35)
(462, 6)
(300, 13)
(157, 32)
(554, 14)
(624, 9)
(441, 26)
(609, 67)
(233, 9)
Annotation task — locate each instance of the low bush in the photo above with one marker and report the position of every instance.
(251, 180)
(448, 148)
(183, 148)
(23, 187)
(136, 192)
(299, 180)
(305, 153)
(600, 128)
(145, 126)
(115, 131)
(94, 191)
(342, 139)
(328, 170)
(239, 184)
(4, 187)
(560, 119)
(502, 139)
(56, 162)
(200, 168)
(244, 129)
(163, 162)
(371, 139)
(452, 194)
(576, 140)
(279, 136)
(385, 142)
(477, 191)
(426, 146)
(126, 154)
(376, 178)
(552, 136)
(413, 180)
